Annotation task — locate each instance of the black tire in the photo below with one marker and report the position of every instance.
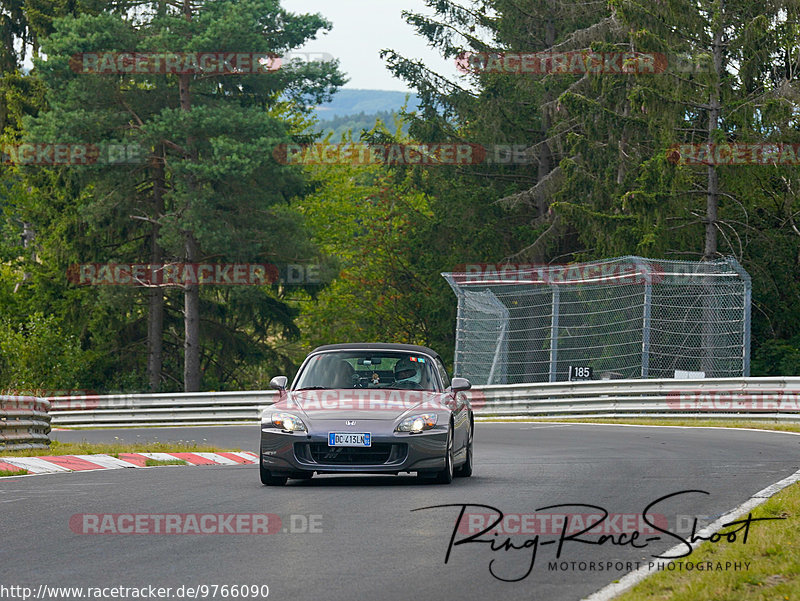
(465, 471)
(267, 479)
(446, 475)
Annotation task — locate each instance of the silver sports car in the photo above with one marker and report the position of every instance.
(368, 408)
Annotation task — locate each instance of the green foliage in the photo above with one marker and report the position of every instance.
(600, 179)
(364, 217)
(211, 160)
(603, 180)
(777, 358)
(337, 128)
(37, 354)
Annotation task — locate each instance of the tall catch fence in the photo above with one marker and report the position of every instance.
(627, 317)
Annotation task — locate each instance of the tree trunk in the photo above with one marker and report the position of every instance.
(191, 294)
(191, 320)
(28, 236)
(712, 196)
(155, 315)
(622, 167)
(545, 156)
(530, 371)
(710, 250)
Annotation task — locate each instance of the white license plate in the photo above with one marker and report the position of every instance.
(349, 439)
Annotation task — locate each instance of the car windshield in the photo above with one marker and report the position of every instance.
(368, 369)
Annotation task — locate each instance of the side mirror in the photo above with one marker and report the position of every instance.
(459, 384)
(278, 382)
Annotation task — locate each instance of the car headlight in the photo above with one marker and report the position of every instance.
(288, 422)
(417, 423)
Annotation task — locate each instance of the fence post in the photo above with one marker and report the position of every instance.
(648, 294)
(554, 333)
(746, 307)
(459, 326)
(748, 292)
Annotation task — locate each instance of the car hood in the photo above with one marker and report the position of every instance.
(361, 404)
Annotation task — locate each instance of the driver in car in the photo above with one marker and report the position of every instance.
(407, 374)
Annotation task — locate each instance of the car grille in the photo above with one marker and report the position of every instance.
(377, 454)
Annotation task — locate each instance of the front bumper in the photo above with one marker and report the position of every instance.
(390, 453)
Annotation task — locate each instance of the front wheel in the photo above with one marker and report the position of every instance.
(465, 471)
(267, 479)
(446, 475)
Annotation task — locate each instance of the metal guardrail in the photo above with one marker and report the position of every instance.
(751, 398)
(166, 409)
(24, 423)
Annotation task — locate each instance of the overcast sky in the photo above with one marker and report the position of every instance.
(361, 28)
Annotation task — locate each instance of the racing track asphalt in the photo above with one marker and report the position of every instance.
(372, 545)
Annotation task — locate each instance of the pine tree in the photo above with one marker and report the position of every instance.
(208, 187)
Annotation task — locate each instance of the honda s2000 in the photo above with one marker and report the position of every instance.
(368, 408)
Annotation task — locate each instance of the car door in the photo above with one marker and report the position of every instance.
(460, 410)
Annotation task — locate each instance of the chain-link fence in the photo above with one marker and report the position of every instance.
(627, 317)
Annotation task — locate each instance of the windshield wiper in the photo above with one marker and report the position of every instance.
(314, 388)
(411, 389)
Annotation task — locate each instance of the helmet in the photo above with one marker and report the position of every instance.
(343, 375)
(406, 370)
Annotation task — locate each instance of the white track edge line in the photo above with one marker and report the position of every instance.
(515, 422)
(635, 577)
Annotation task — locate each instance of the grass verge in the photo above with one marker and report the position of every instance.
(772, 551)
(698, 422)
(113, 449)
(155, 462)
(9, 473)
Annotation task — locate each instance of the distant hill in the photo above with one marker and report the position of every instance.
(355, 110)
(352, 102)
(356, 123)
